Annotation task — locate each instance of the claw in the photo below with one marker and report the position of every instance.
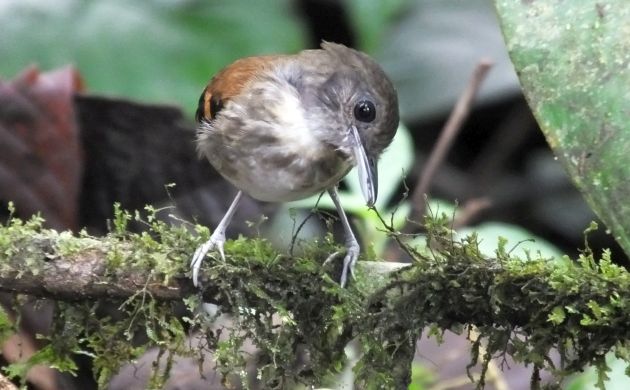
(216, 241)
(349, 261)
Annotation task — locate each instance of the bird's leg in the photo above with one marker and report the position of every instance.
(352, 245)
(216, 241)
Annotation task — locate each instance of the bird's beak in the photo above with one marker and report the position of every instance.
(368, 174)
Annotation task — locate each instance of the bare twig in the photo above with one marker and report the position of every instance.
(447, 136)
(469, 210)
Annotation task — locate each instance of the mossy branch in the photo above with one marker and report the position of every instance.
(61, 266)
(522, 307)
(38, 268)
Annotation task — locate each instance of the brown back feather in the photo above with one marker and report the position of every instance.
(229, 82)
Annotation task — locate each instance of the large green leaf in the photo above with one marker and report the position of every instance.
(159, 51)
(573, 61)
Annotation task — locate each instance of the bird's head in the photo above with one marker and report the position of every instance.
(354, 105)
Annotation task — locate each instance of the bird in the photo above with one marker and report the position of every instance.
(285, 127)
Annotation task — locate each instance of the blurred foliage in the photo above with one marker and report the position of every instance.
(572, 61)
(372, 20)
(421, 377)
(157, 51)
(491, 234)
(430, 49)
(164, 51)
(618, 378)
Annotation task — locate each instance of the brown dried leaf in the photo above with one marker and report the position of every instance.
(40, 155)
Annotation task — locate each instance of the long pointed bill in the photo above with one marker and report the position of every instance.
(368, 175)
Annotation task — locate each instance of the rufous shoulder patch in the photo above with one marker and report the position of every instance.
(229, 82)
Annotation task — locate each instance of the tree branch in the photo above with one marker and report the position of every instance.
(78, 276)
(38, 268)
(527, 307)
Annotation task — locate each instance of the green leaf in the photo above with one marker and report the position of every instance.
(46, 356)
(557, 315)
(572, 61)
(514, 238)
(156, 51)
(618, 380)
(372, 19)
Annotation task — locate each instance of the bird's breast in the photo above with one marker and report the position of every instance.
(272, 163)
(275, 175)
(265, 144)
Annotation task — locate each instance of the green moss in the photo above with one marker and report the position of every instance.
(266, 289)
(523, 307)
(290, 306)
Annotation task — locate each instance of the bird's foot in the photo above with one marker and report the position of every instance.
(349, 261)
(216, 241)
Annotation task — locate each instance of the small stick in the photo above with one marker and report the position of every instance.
(470, 210)
(447, 136)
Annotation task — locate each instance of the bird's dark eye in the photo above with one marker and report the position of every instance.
(365, 111)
